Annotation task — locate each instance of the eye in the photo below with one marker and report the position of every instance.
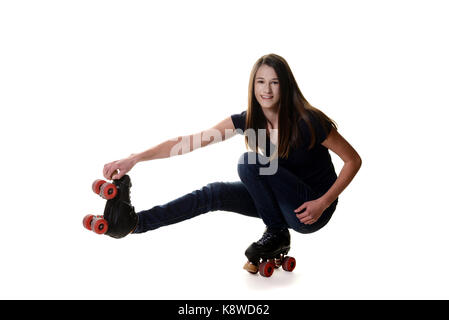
(275, 82)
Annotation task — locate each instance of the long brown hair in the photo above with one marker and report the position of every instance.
(292, 108)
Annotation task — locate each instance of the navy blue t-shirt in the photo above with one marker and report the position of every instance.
(314, 167)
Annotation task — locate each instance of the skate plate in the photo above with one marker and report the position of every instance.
(266, 267)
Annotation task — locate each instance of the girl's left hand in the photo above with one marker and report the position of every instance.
(311, 211)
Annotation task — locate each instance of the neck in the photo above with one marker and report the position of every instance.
(272, 115)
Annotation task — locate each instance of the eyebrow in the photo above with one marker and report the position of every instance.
(264, 78)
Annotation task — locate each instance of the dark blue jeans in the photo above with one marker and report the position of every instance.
(270, 197)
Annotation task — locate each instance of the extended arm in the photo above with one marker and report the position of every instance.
(172, 147)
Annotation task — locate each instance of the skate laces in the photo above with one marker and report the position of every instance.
(266, 237)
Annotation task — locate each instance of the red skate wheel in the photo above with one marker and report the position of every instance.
(87, 221)
(96, 185)
(289, 264)
(100, 225)
(108, 191)
(266, 268)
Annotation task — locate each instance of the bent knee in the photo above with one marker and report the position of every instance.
(248, 158)
(247, 165)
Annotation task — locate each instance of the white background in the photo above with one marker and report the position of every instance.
(83, 83)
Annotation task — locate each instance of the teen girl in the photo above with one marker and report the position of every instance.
(287, 178)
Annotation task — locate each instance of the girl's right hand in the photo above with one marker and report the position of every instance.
(117, 169)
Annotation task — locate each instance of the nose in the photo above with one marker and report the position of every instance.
(267, 89)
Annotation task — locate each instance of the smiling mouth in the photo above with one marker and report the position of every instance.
(267, 97)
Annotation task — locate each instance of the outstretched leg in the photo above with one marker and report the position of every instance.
(225, 196)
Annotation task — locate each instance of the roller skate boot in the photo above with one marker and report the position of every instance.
(269, 253)
(119, 217)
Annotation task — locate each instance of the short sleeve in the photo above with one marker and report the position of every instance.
(321, 130)
(239, 120)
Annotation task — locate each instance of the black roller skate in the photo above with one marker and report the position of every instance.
(119, 218)
(269, 253)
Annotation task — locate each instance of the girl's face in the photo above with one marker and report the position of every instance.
(266, 87)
